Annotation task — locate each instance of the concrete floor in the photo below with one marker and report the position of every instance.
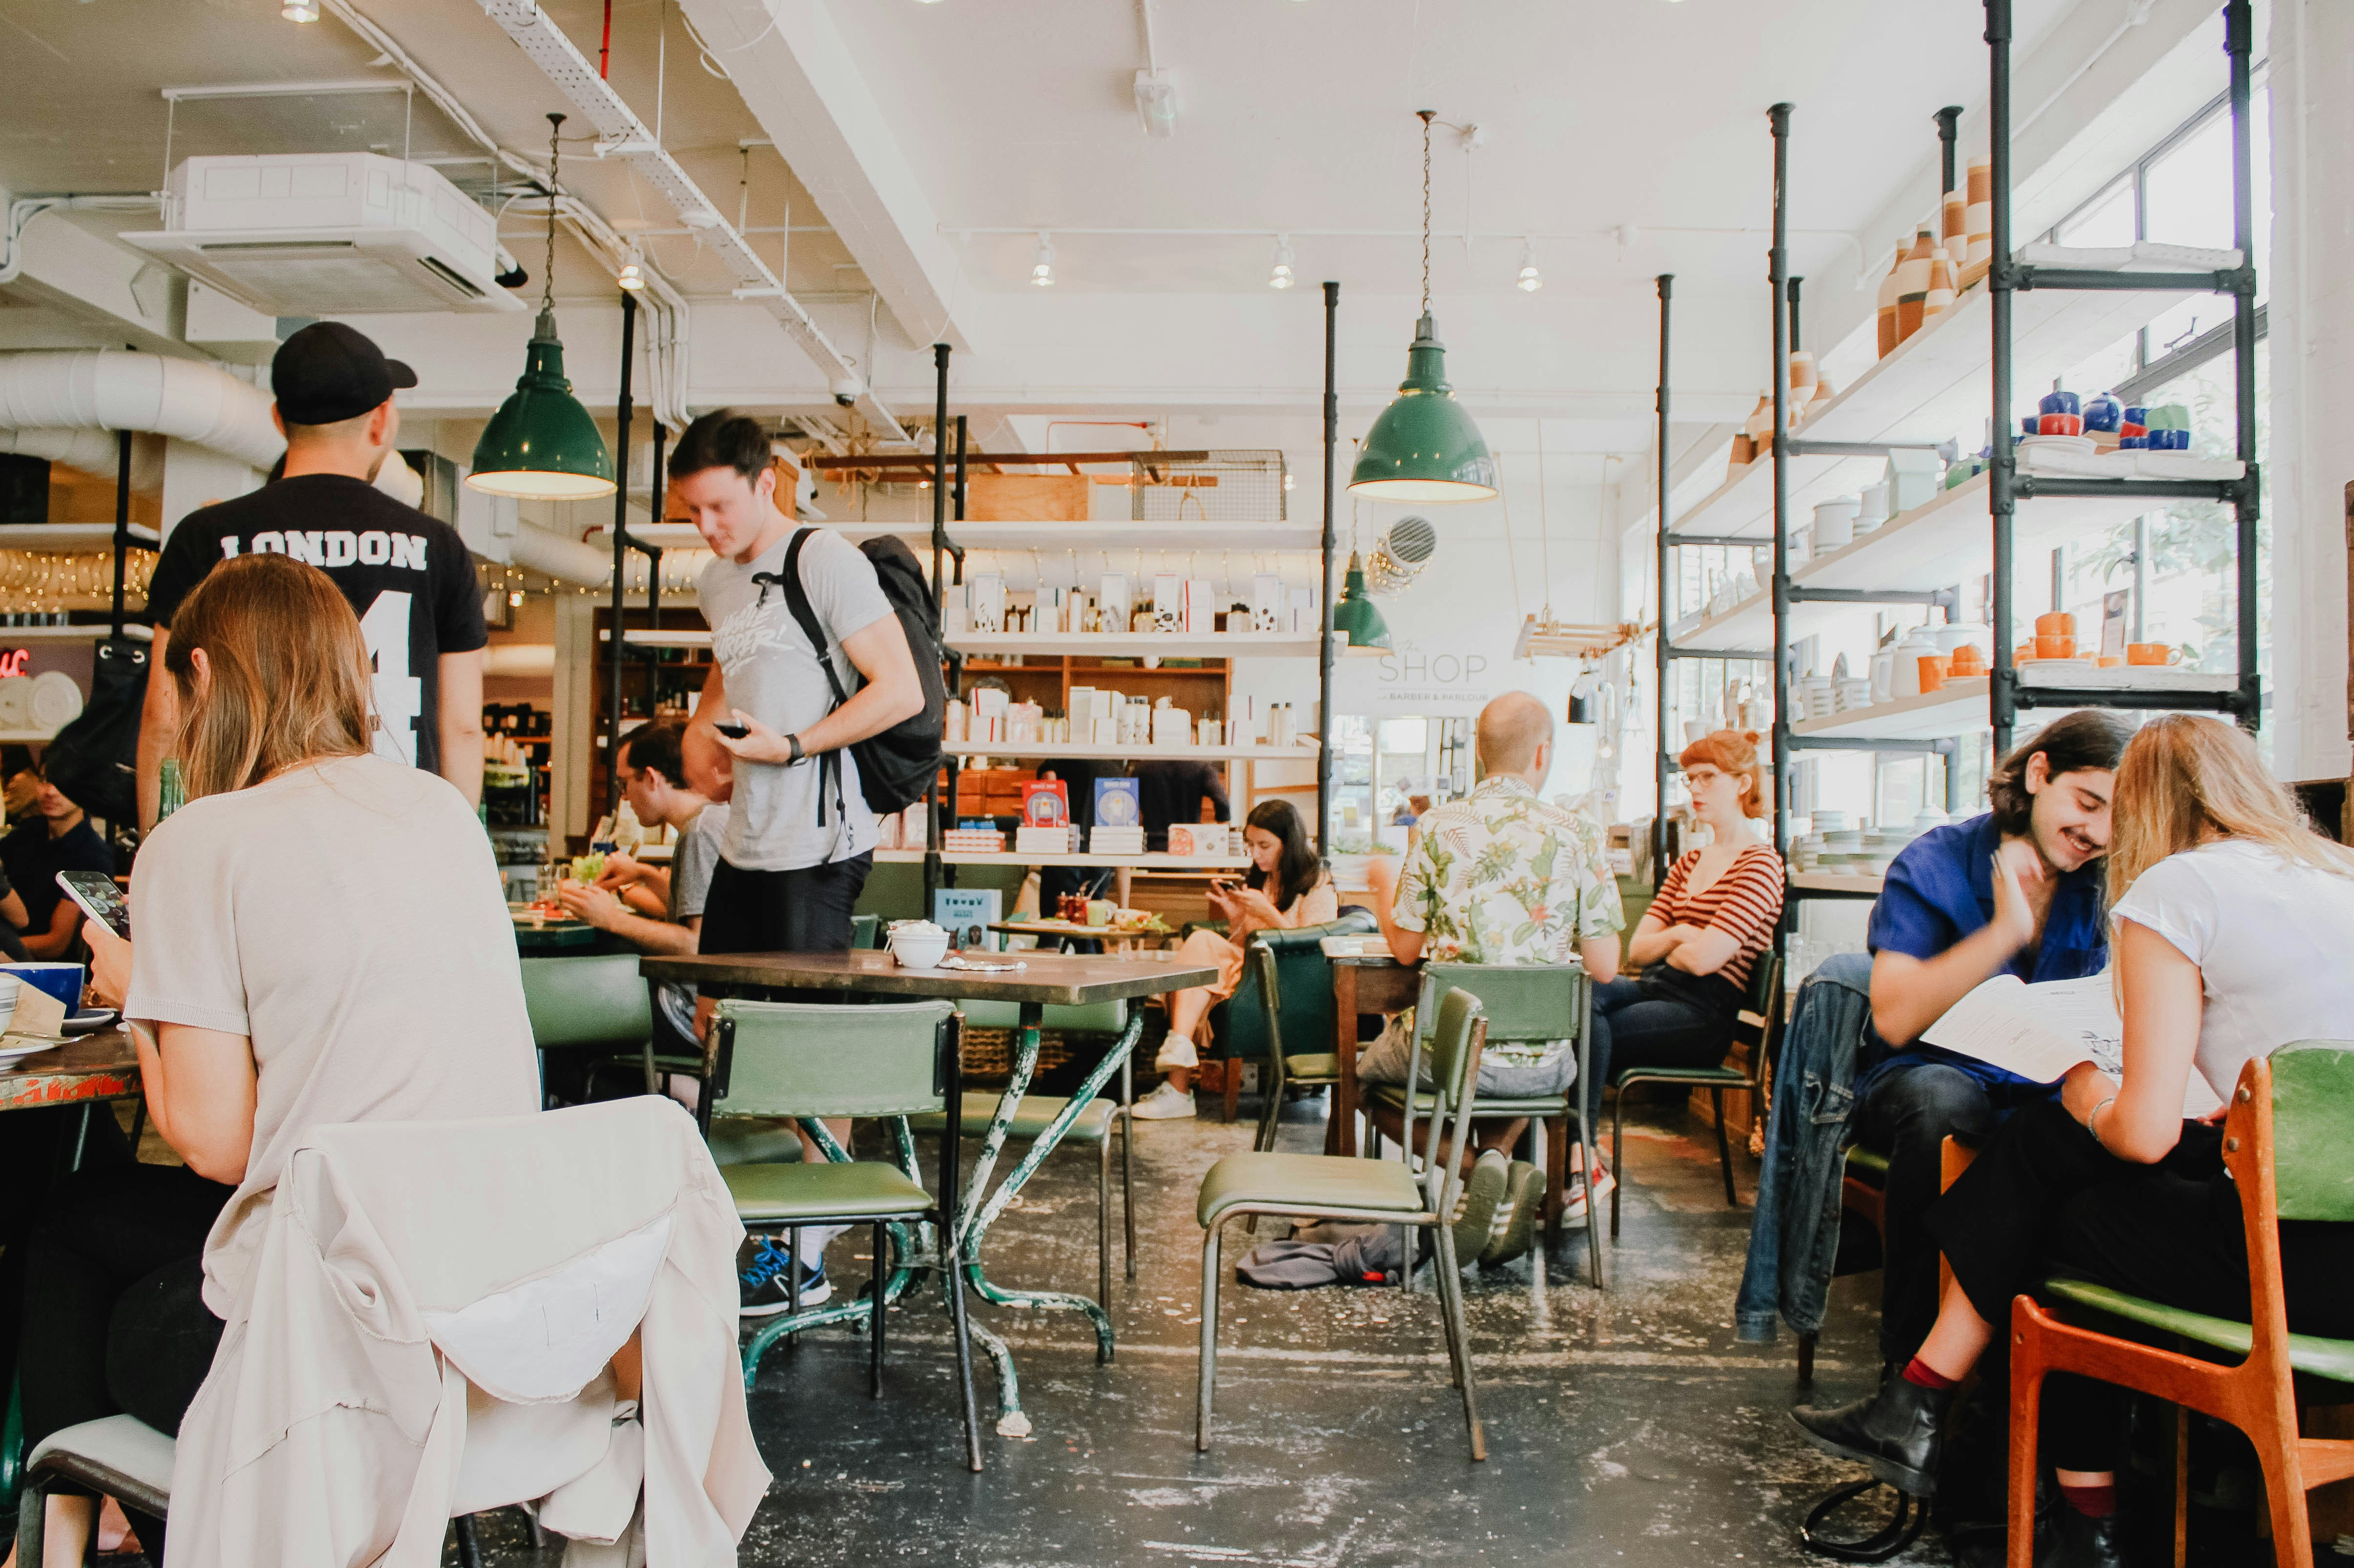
(1631, 1428)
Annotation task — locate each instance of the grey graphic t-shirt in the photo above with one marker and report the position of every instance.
(772, 674)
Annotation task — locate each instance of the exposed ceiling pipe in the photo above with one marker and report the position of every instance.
(631, 140)
(92, 450)
(666, 333)
(113, 389)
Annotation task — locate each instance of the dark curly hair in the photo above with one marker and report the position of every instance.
(2087, 738)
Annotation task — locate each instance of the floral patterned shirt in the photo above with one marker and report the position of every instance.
(1504, 877)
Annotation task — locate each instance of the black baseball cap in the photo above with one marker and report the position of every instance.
(328, 372)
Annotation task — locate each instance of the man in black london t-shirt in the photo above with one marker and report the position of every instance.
(408, 576)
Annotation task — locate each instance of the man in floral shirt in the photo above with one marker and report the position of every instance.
(1499, 878)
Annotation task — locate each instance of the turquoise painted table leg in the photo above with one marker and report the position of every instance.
(916, 1248)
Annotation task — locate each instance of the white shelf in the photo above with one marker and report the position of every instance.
(1084, 537)
(2156, 679)
(1958, 707)
(1942, 541)
(1076, 751)
(26, 736)
(1831, 882)
(1138, 644)
(1932, 387)
(1133, 861)
(78, 537)
(99, 633)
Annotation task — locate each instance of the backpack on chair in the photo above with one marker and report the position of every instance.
(896, 766)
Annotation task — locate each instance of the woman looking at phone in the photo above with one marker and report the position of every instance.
(1288, 886)
(322, 939)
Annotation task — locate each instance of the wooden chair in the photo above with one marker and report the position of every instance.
(1761, 1013)
(2288, 1142)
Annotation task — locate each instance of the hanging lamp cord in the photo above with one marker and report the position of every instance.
(1427, 116)
(548, 273)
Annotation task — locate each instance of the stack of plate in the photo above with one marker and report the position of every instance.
(55, 701)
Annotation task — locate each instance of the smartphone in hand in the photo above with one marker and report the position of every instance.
(100, 900)
(733, 731)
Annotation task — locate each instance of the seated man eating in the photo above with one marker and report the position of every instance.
(1499, 878)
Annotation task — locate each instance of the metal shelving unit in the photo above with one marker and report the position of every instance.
(2244, 699)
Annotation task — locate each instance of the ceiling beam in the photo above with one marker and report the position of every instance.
(802, 83)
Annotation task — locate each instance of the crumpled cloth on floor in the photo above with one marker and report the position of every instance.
(1364, 1254)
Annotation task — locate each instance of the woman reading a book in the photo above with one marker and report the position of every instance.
(1288, 886)
(2232, 920)
(1702, 935)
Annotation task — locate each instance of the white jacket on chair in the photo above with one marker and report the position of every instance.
(429, 1331)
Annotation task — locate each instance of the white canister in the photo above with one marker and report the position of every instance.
(1872, 508)
(1883, 672)
(1835, 524)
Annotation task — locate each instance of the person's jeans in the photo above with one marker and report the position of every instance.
(1912, 1108)
(1667, 1019)
(114, 1315)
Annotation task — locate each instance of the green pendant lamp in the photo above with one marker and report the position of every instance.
(1425, 446)
(1356, 619)
(542, 445)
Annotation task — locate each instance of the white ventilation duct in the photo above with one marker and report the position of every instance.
(92, 451)
(102, 390)
(553, 554)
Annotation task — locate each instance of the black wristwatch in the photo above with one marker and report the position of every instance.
(795, 742)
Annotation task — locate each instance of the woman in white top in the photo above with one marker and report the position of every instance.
(2232, 920)
(321, 937)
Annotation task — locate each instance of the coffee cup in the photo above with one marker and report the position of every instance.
(1935, 668)
(2061, 425)
(2055, 623)
(2054, 647)
(2152, 653)
(1967, 660)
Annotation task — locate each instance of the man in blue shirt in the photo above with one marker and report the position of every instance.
(2017, 891)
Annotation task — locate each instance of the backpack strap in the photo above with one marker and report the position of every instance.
(796, 600)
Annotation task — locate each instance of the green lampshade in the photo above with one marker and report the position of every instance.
(1355, 619)
(542, 445)
(1424, 446)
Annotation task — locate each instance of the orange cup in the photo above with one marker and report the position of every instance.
(2108, 661)
(1966, 662)
(2058, 623)
(1935, 667)
(2152, 653)
(2054, 647)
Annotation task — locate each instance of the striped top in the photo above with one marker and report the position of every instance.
(1745, 904)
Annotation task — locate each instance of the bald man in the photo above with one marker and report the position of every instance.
(1499, 878)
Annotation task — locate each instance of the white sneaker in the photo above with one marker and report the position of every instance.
(1167, 1103)
(1176, 1051)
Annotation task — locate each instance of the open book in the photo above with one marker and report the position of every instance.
(2039, 1031)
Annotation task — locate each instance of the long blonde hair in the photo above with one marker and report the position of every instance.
(290, 678)
(2184, 781)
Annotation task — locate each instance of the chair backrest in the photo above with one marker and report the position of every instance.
(818, 1059)
(1520, 1001)
(1457, 1039)
(1305, 1022)
(597, 999)
(2313, 1129)
(1094, 1017)
(867, 930)
(1764, 986)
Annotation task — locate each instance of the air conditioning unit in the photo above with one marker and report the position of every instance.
(312, 234)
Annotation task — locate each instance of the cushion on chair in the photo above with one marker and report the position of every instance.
(118, 1455)
(860, 1189)
(1312, 1182)
(1485, 1108)
(1313, 1066)
(1092, 1124)
(2309, 1353)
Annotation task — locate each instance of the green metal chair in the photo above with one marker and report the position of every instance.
(1525, 1002)
(594, 1002)
(1285, 1069)
(1243, 1026)
(1336, 1187)
(809, 1060)
(1763, 1006)
(1092, 1128)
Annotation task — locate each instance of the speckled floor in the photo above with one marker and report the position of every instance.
(1631, 1428)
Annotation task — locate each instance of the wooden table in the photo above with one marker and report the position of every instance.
(1366, 980)
(84, 1070)
(1065, 980)
(1071, 931)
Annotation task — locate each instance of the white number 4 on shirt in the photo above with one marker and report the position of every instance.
(399, 696)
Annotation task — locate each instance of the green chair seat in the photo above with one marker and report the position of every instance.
(2308, 1353)
(1731, 1077)
(1498, 1107)
(861, 1190)
(1867, 1164)
(1321, 1067)
(1030, 1117)
(754, 1140)
(1310, 1180)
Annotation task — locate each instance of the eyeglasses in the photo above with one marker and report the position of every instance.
(1700, 777)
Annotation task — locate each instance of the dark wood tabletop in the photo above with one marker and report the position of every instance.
(101, 1067)
(1068, 980)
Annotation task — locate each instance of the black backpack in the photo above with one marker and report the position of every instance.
(93, 762)
(896, 767)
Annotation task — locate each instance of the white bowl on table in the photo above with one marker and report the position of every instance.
(918, 945)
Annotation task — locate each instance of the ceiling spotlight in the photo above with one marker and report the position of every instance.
(1280, 278)
(299, 10)
(632, 276)
(1041, 263)
(1530, 280)
(1155, 103)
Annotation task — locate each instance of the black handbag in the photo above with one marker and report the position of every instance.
(94, 761)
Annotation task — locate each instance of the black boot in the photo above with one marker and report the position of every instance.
(1895, 1433)
(2089, 1542)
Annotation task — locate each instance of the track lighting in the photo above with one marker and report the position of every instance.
(299, 10)
(1280, 278)
(1041, 263)
(1530, 280)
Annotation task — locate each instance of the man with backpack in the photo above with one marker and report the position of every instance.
(800, 825)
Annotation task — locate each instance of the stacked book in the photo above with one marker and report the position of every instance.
(1116, 841)
(973, 841)
(1043, 840)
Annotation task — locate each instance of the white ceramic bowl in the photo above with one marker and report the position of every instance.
(919, 952)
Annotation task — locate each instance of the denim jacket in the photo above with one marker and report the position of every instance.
(1798, 1216)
